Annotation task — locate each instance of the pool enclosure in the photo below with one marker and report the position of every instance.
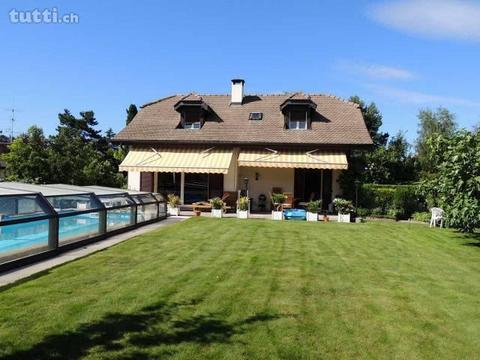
(43, 219)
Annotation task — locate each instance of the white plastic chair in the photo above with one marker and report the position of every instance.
(437, 215)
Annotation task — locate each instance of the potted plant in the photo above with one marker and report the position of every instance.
(173, 204)
(344, 208)
(277, 202)
(217, 207)
(312, 210)
(242, 207)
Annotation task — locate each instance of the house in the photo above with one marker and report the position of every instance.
(201, 146)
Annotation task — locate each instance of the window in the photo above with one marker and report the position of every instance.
(191, 119)
(297, 120)
(255, 116)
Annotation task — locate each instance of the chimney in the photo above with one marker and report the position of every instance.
(237, 91)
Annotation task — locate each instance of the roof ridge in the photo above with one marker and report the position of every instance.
(158, 100)
(289, 94)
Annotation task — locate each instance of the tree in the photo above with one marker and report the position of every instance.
(373, 120)
(131, 112)
(391, 164)
(77, 154)
(358, 161)
(432, 123)
(27, 159)
(456, 186)
(85, 124)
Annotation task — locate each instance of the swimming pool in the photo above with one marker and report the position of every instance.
(33, 235)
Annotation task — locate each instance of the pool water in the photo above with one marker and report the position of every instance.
(26, 236)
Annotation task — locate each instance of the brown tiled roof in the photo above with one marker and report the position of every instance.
(335, 122)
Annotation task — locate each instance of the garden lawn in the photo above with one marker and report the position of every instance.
(256, 289)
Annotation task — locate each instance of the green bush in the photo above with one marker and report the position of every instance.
(243, 203)
(363, 212)
(401, 200)
(217, 203)
(314, 206)
(405, 201)
(343, 206)
(421, 216)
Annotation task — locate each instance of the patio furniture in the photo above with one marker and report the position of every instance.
(437, 216)
(288, 203)
(230, 199)
(262, 202)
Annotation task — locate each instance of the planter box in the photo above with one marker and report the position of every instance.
(217, 213)
(242, 214)
(277, 215)
(173, 211)
(312, 216)
(344, 218)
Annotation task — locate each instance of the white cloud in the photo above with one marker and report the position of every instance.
(420, 98)
(377, 71)
(453, 19)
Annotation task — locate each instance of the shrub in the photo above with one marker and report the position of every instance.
(277, 200)
(378, 212)
(343, 206)
(173, 200)
(395, 213)
(314, 206)
(421, 216)
(243, 203)
(217, 203)
(405, 201)
(363, 212)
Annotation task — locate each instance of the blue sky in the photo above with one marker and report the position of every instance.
(403, 55)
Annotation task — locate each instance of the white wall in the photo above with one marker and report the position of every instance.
(134, 180)
(230, 179)
(267, 179)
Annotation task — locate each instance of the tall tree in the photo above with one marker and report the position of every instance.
(373, 120)
(28, 159)
(456, 186)
(131, 112)
(431, 124)
(77, 154)
(85, 124)
(358, 161)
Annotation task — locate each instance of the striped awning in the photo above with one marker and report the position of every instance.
(189, 160)
(314, 159)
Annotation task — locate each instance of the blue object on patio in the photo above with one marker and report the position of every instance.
(295, 214)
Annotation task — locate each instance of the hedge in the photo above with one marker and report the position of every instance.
(399, 201)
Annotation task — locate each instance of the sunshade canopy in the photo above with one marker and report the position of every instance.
(189, 160)
(293, 159)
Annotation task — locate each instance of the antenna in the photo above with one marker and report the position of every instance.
(12, 120)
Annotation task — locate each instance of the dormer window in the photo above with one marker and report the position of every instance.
(298, 110)
(192, 119)
(297, 119)
(193, 111)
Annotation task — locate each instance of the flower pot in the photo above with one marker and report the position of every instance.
(197, 212)
(242, 214)
(343, 218)
(312, 216)
(217, 213)
(277, 215)
(173, 211)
